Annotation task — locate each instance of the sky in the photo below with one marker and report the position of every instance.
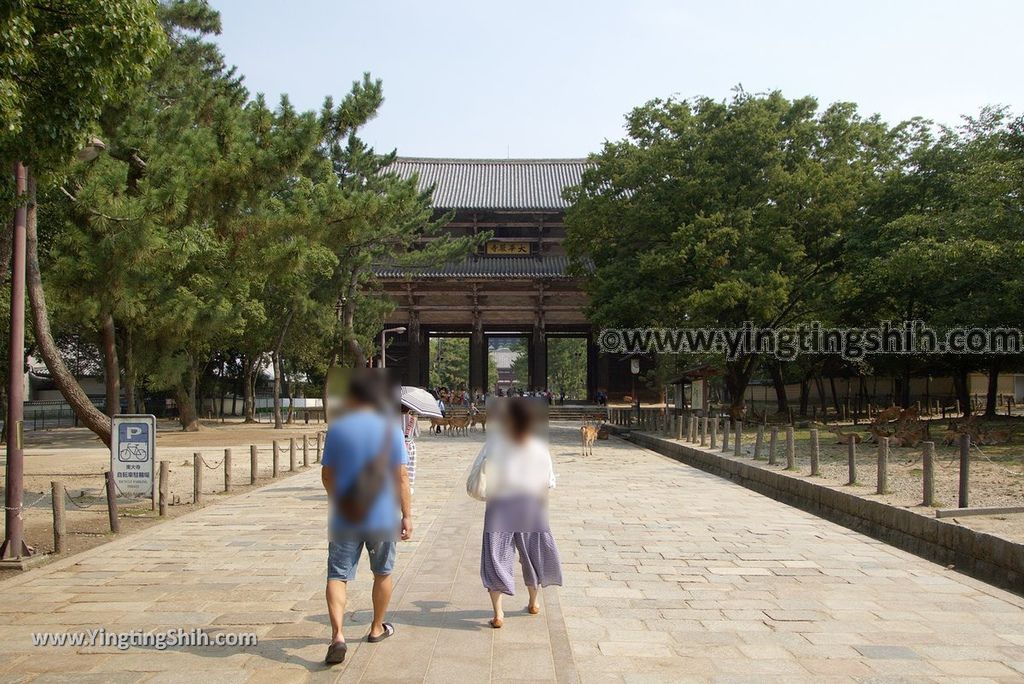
(529, 79)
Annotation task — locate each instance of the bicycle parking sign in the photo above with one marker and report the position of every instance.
(133, 453)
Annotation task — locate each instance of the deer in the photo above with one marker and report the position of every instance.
(588, 433)
(844, 437)
(991, 437)
(885, 415)
(459, 424)
(438, 424)
(477, 416)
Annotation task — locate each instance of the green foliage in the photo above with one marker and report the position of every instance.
(219, 232)
(449, 362)
(567, 367)
(62, 62)
(721, 212)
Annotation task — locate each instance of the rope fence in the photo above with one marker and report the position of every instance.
(163, 497)
(695, 427)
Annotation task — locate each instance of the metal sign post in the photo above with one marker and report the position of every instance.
(133, 453)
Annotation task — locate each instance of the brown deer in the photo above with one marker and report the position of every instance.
(844, 437)
(992, 437)
(438, 424)
(459, 424)
(477, 416)
(885, 415)
(588, 433)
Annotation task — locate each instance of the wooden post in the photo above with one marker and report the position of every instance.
(790, 449)
(165, 477)
(293, 460)
(115, 522)
(883, 466)
(680, 428)
(694, 429)
(277, 459)
(319, 451)
(59, 529)
(773, 440)
(814, 452)
(305, 451)
(759, 442)
(726, 429)
(965, 471)
(714, 432)
(254, 464)
(227, 470)
(704, 429)
(737, 442)
(197, 478)
(851, 459)
(928, 460)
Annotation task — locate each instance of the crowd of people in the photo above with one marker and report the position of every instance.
(462, 396)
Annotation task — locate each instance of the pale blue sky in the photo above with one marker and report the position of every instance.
(554, 78)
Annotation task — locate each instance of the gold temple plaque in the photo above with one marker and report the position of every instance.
(509, 248)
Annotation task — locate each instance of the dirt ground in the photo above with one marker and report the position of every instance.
(76, 458)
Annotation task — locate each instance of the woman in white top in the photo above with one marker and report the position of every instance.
(519, 475)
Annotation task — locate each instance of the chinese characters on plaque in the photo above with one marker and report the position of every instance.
(509, 248)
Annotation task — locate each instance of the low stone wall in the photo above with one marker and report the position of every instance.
(984, 556)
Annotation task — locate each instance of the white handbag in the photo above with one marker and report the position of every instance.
(476, 483)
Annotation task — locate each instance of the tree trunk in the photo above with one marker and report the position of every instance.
(905, 386)
(805, 395)
(111, 371)
(781, 400)
(737, 377)
(185, 396)
(992, 397)
(277, 392)
(248, 390)
(348, 323)
(87, 413)
(128, 359)
(278, 369)
(835, 397)
(290, 390)
(963, 394)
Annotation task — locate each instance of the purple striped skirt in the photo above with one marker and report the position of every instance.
(518, 525)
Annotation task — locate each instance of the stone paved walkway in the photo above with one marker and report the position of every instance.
(671, 575)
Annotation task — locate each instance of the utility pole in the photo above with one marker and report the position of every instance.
(14, 545)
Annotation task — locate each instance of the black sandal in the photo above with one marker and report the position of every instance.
(336, 653)
(389, 629)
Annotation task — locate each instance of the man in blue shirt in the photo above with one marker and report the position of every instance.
(365, 439)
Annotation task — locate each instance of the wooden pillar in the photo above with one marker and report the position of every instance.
(593, 361)
(412, 363)
(477, 356)
(538, 356)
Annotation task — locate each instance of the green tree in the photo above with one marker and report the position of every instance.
(61, 63)
(567, 366)
(449, 362)
(719, 213)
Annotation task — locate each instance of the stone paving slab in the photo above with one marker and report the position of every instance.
(671, 575)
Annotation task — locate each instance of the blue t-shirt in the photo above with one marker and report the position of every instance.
(352, 441)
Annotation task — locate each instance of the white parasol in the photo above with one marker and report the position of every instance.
(420, 401)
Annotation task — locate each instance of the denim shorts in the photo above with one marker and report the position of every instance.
(343, 557)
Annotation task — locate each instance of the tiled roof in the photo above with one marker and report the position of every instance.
(484, 267)
(494, 183)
